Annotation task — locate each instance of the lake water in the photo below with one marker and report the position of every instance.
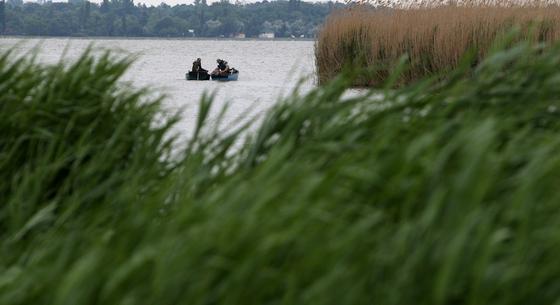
(268, 69)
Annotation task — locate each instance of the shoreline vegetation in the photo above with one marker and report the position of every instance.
(124, 18)
(157, 38)
(438, 192)
(433, 38)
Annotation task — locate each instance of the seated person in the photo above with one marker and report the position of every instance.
(197, 66)
(222, 69)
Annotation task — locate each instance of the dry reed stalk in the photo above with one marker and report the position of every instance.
(434, 38)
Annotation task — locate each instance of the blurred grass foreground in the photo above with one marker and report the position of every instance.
(434, 193)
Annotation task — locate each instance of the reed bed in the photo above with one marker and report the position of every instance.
(433, 193)
(435, 38)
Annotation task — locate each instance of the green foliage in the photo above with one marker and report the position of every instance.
(123, 18)
(69, 133)
(435, 193)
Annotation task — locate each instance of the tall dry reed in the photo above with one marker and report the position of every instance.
(434, 38)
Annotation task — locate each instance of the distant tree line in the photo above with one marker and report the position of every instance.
(292, 18)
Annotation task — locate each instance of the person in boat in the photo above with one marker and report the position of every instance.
(197, 66)
(223, 68)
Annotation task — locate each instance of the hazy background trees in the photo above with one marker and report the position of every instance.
(2, 16)
(291, 18)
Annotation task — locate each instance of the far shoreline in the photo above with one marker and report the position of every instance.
(155, 38)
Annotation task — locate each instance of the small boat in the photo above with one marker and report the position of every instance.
(202, 75)
(233, 75)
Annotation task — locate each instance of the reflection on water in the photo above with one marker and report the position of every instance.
(267, 69)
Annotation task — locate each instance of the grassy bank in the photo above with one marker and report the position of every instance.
(434, 38)
(433, 194)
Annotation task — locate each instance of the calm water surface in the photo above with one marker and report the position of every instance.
(268, 69)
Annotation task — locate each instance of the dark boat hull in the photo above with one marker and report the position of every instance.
(230, 77)
(197, 76)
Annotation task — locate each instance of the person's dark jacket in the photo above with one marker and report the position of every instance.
(196, 66)
(222, 65)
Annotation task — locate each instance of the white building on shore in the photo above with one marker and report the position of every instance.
(267, 35)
